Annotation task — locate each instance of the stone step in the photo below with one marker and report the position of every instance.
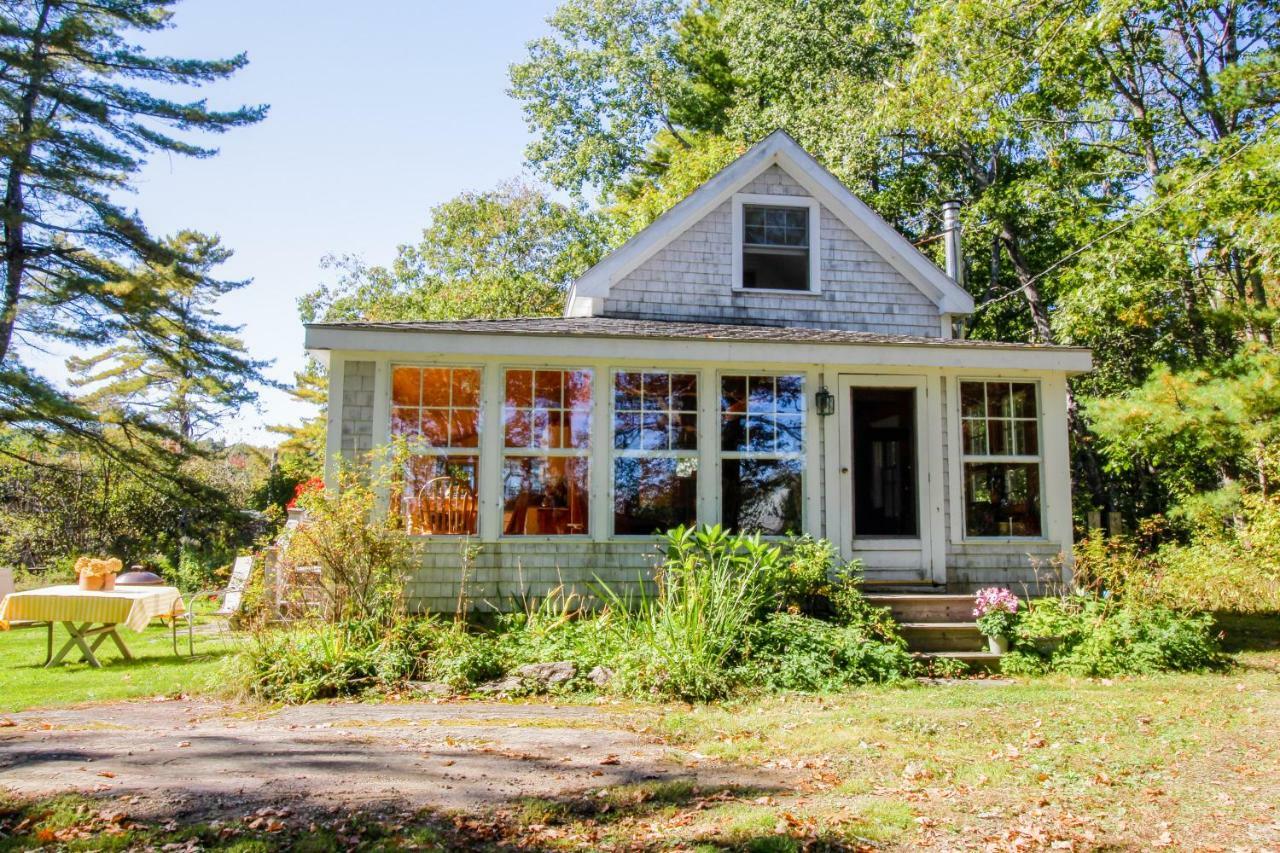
(986, 661)
(942, 636)
(925, 607)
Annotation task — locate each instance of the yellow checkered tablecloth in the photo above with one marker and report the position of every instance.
(132, 606)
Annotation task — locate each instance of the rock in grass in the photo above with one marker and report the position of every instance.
(548, 674)
(431, 688)
(600, 676)
(510, 684)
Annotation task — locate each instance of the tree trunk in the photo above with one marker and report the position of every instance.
(1039, 315)
(15, 249)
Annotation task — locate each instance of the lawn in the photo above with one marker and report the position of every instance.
(1178, 761)
(26, 684)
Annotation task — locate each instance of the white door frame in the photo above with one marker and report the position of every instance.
(908, 560)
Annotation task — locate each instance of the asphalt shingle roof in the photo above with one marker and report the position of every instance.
(617, 327)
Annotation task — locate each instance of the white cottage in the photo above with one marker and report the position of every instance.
(769, 354)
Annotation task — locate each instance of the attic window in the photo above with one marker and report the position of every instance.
(775, 245)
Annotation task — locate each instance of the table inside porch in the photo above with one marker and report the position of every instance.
(92, 615)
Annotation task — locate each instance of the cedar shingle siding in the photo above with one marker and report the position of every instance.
(691, 280)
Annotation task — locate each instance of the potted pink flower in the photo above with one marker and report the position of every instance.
(997, 612)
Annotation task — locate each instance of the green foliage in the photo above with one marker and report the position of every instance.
(321, 661)
(1092, 636)
(84, 502)
(363, 554)
(82, 106)
(709, 629)
(1228, 558)
(1198, 429)
(510, 252)
(791, 652)
(164, 377)
(710, 588)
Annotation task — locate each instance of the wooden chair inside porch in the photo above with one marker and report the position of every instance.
(445, 505)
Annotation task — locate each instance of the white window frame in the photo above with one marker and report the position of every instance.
(741, 200)
(802, 455)
(965, 457)
(616, 452)
(545, 452)
(418, 449)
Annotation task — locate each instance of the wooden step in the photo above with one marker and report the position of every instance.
(942, 636)
(925, 607)
(986, 661)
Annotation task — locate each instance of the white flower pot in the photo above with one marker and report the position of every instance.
(998, 645)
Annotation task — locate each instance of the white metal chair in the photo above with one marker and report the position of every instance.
(228, 599)
(7, 586)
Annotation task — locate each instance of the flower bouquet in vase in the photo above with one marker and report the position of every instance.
(997, 612)
(98, 575)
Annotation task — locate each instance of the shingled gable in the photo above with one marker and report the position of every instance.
(586, 296)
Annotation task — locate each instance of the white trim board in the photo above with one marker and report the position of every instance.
(778, 148)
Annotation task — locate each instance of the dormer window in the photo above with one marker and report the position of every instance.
(775, 243)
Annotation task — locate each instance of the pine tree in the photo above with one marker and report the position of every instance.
(162, 378)
(81, 108)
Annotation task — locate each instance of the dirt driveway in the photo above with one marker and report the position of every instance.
(195, 758)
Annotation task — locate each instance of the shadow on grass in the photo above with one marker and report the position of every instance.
(80, 822)
(1249, 632)
(112, 662)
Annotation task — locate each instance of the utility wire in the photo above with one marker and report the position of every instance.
(1126, 223)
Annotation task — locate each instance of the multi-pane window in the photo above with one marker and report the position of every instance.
(1000, 445)
(655, 456)
(762, 453)
(546, 419)
(437, 411)
(775, 247)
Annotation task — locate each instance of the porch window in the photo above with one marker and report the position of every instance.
(655, 455)
(1000, 452)
(546, 421)
(437, 411)
(762, 453)
(775, 247)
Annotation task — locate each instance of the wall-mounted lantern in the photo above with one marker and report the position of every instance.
(825, 402)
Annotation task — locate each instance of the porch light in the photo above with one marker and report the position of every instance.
(825, 402)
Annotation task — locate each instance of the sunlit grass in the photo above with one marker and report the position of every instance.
(155, 670)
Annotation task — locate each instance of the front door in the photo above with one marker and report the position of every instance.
(883, 476)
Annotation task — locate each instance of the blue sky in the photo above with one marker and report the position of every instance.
(378, 112)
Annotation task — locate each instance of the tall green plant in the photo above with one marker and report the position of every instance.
(710, 588)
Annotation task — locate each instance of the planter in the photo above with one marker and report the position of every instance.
(998, 645)
(108, 583)
(92, 583)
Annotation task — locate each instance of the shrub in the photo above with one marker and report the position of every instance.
(363, 555)
(1091, 636)
(322, 661)
(1227, 559)
(792, 652)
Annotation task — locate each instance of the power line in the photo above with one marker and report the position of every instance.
(1126, 223)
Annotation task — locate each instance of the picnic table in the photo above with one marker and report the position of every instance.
(92, 615)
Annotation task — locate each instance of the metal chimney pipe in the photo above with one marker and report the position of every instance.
(951, 240)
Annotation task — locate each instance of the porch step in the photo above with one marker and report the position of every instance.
(986, 661)
(942, 636)
(924, 606)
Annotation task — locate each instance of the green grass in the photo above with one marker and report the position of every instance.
(26, 684)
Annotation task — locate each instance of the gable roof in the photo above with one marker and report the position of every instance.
(778, 148)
